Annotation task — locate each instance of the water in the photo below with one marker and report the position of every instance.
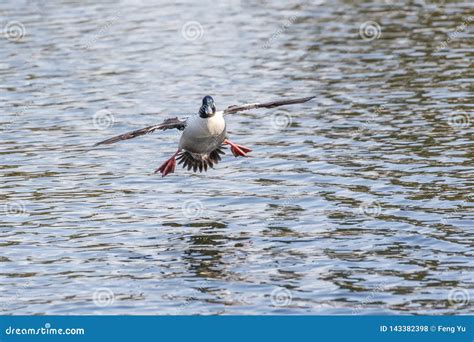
(358, 202)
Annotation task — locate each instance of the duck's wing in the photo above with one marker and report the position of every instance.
(167, 124)
(240, 108)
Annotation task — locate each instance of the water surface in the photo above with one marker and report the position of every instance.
(358, 202)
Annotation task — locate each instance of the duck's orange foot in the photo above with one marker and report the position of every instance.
(237, 150)
(168, 166)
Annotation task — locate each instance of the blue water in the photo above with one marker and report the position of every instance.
(358, 202)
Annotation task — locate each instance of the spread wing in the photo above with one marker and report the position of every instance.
(167, 124)
(235, 109)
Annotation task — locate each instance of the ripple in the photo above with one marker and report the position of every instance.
(361, 205)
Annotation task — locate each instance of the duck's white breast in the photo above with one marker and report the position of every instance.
(200, 133)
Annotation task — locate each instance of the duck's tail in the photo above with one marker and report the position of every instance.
(195, 162)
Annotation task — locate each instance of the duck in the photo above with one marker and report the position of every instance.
(204, 135)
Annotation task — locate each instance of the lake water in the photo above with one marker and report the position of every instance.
(358, 202)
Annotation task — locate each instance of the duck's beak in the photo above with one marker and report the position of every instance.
(209, 110)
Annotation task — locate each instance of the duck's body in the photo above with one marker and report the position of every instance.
(201, 141)
(204, 135)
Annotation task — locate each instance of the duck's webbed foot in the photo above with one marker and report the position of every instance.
(237, 150)
(168, 166)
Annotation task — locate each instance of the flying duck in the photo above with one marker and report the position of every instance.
(204, 135)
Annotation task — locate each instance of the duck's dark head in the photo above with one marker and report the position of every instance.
(208, 108)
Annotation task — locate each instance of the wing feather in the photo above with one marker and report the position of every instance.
(167, 124)
(240, 108)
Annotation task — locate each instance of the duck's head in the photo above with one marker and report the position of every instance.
(208, 108)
